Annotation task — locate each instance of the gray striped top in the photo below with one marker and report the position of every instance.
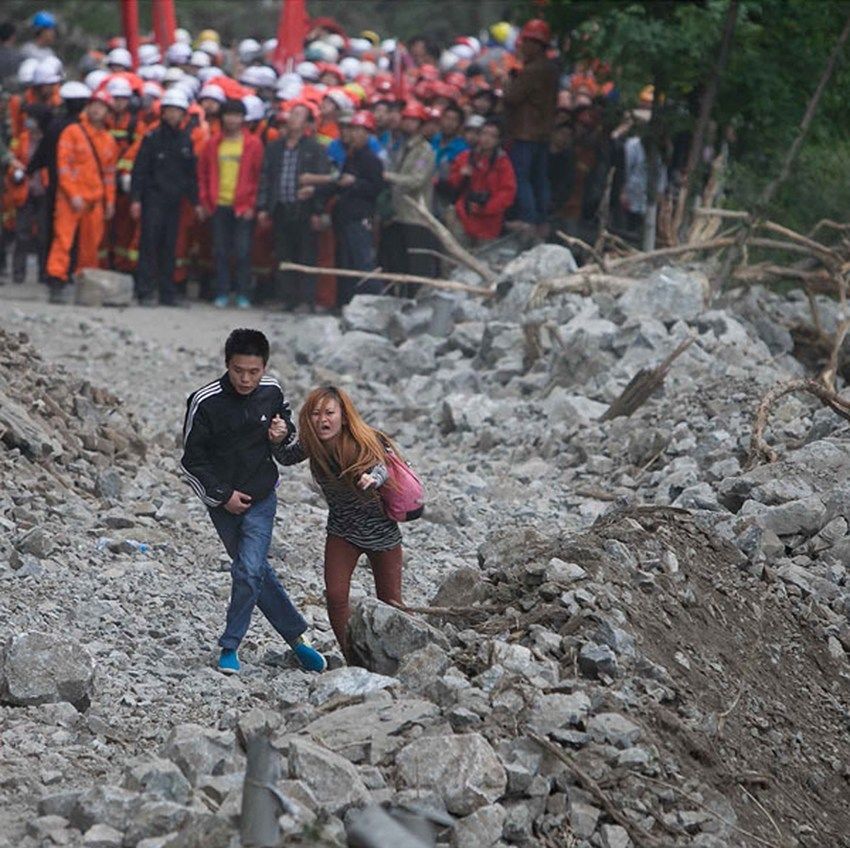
(358, 517)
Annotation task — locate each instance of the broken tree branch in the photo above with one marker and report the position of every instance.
(572, 241)
(448, 285)
(450, 243)
(759, 449)
(644, 384)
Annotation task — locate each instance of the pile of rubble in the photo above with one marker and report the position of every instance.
(621, 633)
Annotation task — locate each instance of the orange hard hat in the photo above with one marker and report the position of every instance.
(415, 110)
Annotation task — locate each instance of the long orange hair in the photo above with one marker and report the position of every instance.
(357, 450)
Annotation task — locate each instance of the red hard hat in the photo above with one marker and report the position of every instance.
(538, 30)
(429, 72)
(103, 96)
(363, 119)
(456, 78)
(415, 110)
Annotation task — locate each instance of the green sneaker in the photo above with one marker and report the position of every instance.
(308, 657)
(228, 662)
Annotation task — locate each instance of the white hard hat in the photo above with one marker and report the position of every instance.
(119, 87)
(94, 79)
(249, 49)
(73, 90)
(448, 60)
(152, 89)
(152, 72)
(462, 51)
(368, 68)
(255, 109)
(383, 63)
(350, 67)
(173, 75)
(289, 86)
(251, 76)
(199, 59)
(358, 46)
(178, 53)
(175, 97)
(26, 71)
(335, 40)
(48, 72)
(269, 46)
(120, 56)
(266, 76)
(149, 54)
(213, 92)
(308, 71)
(191, 85)
(388, 45)
(340, 99)
(210, 47)
(207, 74)
(182, 36)
(321, 51)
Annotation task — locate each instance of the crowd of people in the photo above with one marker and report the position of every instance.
(206, 162)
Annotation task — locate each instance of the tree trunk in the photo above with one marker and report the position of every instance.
(705, 107)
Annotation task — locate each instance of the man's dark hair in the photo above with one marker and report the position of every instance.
(7, 30)
(453, 107)
(233, 106)
(493, 122)
(247, 343)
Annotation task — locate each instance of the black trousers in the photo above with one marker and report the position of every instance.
(397, 240)
(356, 252)
(294, 241)
(157, 247)
(30, 236)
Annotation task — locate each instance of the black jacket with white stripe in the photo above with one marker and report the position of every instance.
(226, 444)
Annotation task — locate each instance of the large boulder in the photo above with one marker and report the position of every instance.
(372, 313)
(334, 781)
(463, 769)
(348, 681)
(357, 352)
(381, 636)
(200, 751)
(39, 668)
(97, 287)
(670, 294)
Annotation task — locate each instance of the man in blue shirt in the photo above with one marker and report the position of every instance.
(448, 144)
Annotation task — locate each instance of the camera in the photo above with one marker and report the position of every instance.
(18, 176)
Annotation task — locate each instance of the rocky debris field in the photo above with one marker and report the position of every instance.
(623, 634)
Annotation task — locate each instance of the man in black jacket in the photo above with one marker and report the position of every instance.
(235, 428)
(293, 206)
(164, 172)
(359, 185)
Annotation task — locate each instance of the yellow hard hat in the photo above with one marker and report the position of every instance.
(371, 35)
(500, 32)
(208, 35)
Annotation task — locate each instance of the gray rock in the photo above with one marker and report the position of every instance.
(564, 406)
(358, 350)
(468, 413)
(542, 262)
(348, 681)
(373, 826)
(333, 780)
(109, 485)
(420, 670)
(614, 836)
(199, 751)
(158, 777)
(97, 287)
(380, 636)
(102, 836)
(155, 818)
(614, 729)
(463, 587)
(38, 668)
(595, 660)
(558, 571)
(371, 313)
(551, 712)
(583, 819)
(670, 294)
(480, 829)
(463, 769)
(105, 805)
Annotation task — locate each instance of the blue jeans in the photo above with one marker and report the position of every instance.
(231, 241)
(247, 538)
(531, 162)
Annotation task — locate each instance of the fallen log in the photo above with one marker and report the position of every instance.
(447, 285)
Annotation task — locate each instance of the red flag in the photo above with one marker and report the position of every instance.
(130, 24)
(399, 75)
(164, 23)
(291, 29)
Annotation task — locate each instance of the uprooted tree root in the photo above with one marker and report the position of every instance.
(760, 450)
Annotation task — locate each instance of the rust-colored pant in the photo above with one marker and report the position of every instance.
(66, 222)
(340, 560)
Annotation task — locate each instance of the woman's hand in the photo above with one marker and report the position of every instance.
(366, 482)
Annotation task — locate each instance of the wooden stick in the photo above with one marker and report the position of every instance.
(759, 449)
(761, 807)
(639, 835)
(426, 251)
(603, 213)
(448, 285)
(827, 376)
(598, 258)
(449, 242)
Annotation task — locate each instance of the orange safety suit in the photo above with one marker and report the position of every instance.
(85, 159)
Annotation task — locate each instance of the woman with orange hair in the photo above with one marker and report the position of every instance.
(348, 461)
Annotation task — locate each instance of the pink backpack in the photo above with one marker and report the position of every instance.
(403, 494)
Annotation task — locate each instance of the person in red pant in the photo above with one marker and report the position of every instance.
(86, 156)
(485, 183)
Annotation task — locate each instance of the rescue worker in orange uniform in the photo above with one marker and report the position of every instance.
(86, 157)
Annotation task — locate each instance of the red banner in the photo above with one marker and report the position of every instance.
(130, 25)
(291, 29)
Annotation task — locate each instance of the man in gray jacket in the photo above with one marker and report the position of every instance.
(412, 178)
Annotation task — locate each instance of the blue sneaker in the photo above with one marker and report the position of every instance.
(242, 302)
(221, 302)
(309, 658)
(228, 662)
